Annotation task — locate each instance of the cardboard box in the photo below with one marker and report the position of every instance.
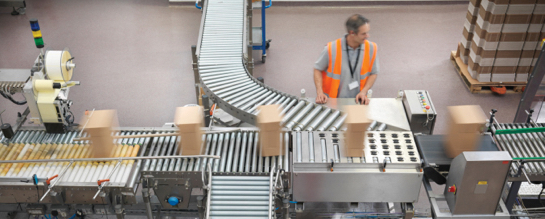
(464, 128)
(268, 118)
(191, 144)
(466, 119)
(102, 146)
(357, 118)
(456, 144)
(473, 7)
(99, 124)
(354, 143)
(357, 121)
(463, 51)
(351, 152)
(270, 144)
(521, 77)
(189, 121)
(503, 77)
(472, 17)
(466, 40)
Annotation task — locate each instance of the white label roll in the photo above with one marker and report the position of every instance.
(56, 65)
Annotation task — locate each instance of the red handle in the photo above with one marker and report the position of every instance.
(102, 181)
(48, 181)
(212, 109)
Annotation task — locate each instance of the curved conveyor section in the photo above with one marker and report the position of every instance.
(227, 82)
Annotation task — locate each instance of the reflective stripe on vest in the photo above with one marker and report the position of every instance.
(331, 78)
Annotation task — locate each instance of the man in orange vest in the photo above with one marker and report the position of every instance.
(347, 67)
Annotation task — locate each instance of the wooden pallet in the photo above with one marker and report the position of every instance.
(475, 86)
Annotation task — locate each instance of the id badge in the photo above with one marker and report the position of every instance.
(353, 85)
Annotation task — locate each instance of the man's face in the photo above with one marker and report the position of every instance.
(363, 33)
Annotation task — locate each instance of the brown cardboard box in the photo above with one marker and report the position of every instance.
(357, 118)
(458, 143)
(357, 121)
(464, 128)
(191, 144)
(98, 124)
(189, 121)
(269, 118)
(350, 152)
(466, 119)
(475, 2)
(472, 18)
(270, 144)
(468, 36)
(102, 146)
(479, 69)
(354, 143)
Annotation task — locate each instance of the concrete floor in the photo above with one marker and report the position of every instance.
(134, 55)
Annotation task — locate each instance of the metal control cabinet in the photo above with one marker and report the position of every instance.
(420, 111)
(475, 182)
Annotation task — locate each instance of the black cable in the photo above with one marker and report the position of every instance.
(540, 193)
(12, 100)
(38, 192)
(73, 117)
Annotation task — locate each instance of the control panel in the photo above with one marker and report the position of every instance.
(424, 101)
(420, 111)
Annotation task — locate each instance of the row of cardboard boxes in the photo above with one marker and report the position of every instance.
(502, 39)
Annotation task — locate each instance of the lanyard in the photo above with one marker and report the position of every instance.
(349, 62)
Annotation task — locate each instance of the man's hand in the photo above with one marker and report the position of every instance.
(361, 98)
(321, 98)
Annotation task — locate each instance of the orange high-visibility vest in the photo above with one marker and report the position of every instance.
(331, 78)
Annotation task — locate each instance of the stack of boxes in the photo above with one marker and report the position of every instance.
(466, 123)
(99, 125)
(501, 39)
(189, 121)
(357, 122)
(270, 130)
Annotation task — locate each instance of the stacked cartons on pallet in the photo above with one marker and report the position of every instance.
(501, 39)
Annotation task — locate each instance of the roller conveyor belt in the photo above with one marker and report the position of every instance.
(226, 80)
(523, 145)
(29, 145)
(238, 150)
(240, 197)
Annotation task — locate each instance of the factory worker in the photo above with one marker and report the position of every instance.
(348, 66)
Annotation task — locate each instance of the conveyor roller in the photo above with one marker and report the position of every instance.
(227, 82)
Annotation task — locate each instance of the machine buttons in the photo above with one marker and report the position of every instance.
(173, 201)
(427, 107)
(452, 189)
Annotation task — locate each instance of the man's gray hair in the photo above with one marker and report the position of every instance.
(354, 22)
